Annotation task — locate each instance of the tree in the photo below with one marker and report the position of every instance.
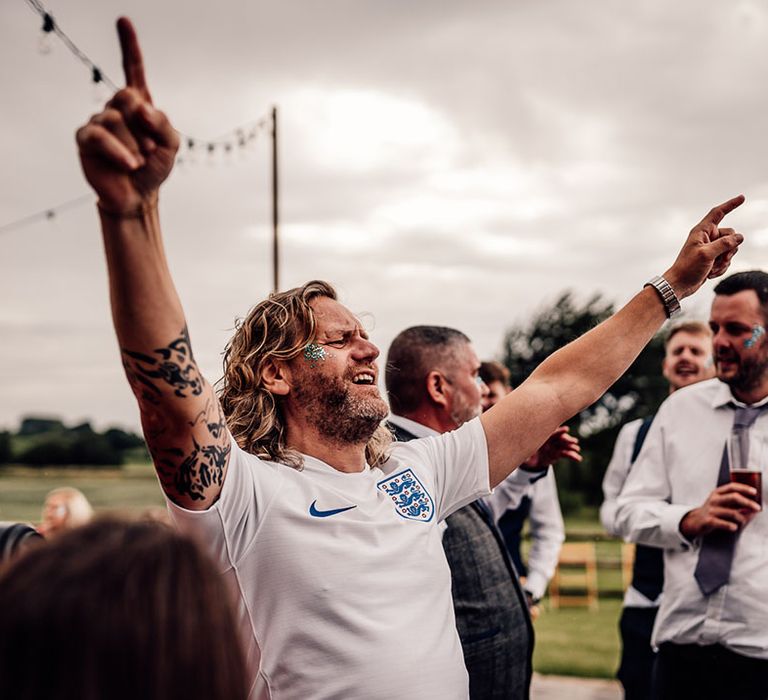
(5, 447)
(122, 440)
(36, 425)
(636, 394)
(43, 441)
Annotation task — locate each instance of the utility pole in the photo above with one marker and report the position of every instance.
(275, 210)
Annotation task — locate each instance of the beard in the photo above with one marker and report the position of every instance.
(334, 410)
(462, 411)
(750, 372)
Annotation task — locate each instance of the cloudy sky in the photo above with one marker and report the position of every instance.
(442, 162)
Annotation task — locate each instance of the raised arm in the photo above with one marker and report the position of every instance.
(578, 374)
(127, 151)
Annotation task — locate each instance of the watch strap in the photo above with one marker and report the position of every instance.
(667, 294)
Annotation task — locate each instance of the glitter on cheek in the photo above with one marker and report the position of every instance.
(314, 353)
(757, 333)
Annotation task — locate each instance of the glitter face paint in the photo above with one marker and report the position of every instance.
(757, 333)
(314, 353)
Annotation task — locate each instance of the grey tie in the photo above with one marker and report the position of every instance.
(713, 569)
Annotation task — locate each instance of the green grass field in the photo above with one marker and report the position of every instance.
(578, 642)
(569, 641)
(23, 490)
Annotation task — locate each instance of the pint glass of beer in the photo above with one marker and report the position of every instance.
(746, 452)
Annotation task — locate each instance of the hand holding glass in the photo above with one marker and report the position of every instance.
(746, 451)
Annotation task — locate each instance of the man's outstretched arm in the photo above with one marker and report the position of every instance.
(127, 152)
(578, 374)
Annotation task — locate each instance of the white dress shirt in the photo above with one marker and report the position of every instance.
(675, 472)
(544, 518)
(613, 482)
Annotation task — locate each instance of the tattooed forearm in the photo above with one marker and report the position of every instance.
(173, 365)
(213, 419)
(189, 473)
(190, 447)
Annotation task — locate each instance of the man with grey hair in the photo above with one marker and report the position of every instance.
(434, 386)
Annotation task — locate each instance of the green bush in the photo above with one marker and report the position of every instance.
(71, 449)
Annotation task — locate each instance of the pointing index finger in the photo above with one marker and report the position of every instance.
(718, 213)
(133, 64)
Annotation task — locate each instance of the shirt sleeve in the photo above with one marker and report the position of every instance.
(228, 528)
(547, 534)
(616, 474)
(509, 493)
(458, 464)
(644, 513)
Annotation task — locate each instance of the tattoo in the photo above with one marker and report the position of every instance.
(183, 471)
(173, 365)
(190, 473)
(212, 418)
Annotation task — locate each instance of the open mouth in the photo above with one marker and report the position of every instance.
(725, 362)
(686, 370)
(364, 379)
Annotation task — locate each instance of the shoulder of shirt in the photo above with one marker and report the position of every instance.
(700, 392)
(253, 461)
(631, 426)
(401, 452)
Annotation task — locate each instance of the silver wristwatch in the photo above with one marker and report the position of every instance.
(667, 294)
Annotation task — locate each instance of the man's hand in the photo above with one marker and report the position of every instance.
(128, 149)
(707, 251)
(559, 445)
(729, 507)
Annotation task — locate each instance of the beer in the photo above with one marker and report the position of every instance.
(750, 478)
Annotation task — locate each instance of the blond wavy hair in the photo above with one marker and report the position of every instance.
(278, 328)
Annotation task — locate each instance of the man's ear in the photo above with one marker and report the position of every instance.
(437, 387)
(275, 377)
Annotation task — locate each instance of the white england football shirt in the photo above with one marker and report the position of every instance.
(344, 590)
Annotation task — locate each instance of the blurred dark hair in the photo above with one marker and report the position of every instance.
(493, 371)
(14, 537)
(756, 280)
(118, 610)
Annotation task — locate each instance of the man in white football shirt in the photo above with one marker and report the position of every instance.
(330, 543)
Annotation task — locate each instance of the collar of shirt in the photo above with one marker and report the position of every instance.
(412, 426)
(723, 397)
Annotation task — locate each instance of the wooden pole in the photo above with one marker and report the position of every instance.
(275, 210)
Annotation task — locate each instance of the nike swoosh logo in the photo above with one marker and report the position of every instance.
(325, 513)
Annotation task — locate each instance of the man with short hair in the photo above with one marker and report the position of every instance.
(433, 384)
(711, 626)
(329, 539)
(536, 502)
(687, 360)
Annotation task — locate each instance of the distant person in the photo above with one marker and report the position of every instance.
(288, 474)
(65, 508)
(118, 610)
(537, 503)
(687, 360)
(711, 628)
